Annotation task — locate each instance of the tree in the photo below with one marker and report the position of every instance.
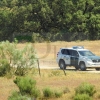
(65, 20)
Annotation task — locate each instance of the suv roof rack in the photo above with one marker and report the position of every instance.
(78, 47)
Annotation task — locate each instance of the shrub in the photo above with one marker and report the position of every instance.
(24, 59)
(4, 67)
(17, 96)
(22, 38)
(27, 86)
(20, 59)
(85, 88)
(82, 97)
(48, 93)
(58, 94)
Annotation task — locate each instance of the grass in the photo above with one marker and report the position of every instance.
(56, 78)
(72, 80)
(49, 50)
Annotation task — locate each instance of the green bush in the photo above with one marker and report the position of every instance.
(58, 94)
(85, 88)
(27, 86)
(48, 93)
(18, 96)
(22, 38)
(19, 59)
(4, 67)
(82, 97)
(24, 59)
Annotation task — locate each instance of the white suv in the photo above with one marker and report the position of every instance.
(79, 57)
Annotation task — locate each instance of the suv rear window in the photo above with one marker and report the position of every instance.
(65, 51)
(62, 51)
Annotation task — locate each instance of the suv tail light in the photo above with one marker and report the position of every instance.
(57, 54)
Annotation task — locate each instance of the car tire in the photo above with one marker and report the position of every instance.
(62, 64)
(97, 69)
(82, 66)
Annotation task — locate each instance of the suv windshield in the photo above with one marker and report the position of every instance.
(86, 53)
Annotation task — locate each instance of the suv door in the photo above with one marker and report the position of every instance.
(66, 56)
(74, 57)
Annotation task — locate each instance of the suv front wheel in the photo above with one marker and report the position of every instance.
(97, 69)
(62, 64)
(77, 67)
(82, 66)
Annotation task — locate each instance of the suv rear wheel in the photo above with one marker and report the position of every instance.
(62, 64)
(82, 66)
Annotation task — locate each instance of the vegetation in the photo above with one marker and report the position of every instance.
(29, 91)
(85, 88)
(84, 92)
(17, 96)
(56, 85)
(62, 87)
(27, 86)
(17, 59)
(48, 93)
(58, 94)
(4, 67)
(82, 97)
(51, 93)
(51, 19)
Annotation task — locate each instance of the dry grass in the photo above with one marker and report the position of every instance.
(70, 81)
(47, 54)
(49, 50)
(6, 87)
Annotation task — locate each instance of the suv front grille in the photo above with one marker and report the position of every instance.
(98, 60)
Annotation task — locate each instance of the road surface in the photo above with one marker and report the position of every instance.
(69, 69)
(51, 64)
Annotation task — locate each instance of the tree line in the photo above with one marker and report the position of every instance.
(52, 19)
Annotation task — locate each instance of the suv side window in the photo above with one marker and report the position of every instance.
(75, 53)
(71, 52)
(67, 52)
